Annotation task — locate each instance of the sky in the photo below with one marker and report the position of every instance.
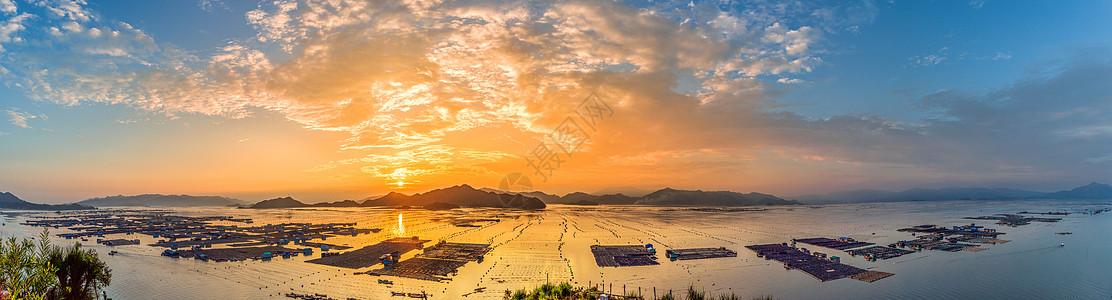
(332, 100)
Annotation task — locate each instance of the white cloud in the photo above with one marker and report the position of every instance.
(19, 118)
(403, 77)
(8, 6)
(210, 5)
(930, 59)
(68, 9)
(10, 27)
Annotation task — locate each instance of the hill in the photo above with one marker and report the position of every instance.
(160, 200)
(462, 195)
(670, 197)
(283, 202)
(547, 198)
(1093, 190)
(446, 198)
(10, 201)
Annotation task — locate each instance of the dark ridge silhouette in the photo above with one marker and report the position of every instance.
(283, 202)
(10, 201)
(161, 201)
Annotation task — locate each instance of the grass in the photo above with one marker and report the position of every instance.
(565, 291)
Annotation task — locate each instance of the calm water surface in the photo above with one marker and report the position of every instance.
(555, 244)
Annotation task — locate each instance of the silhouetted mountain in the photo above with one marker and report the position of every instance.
(462, 195)
(10, 201)
(161, 200)
(284, 202)
(575, 197)
(624, 190)
(345, 203)
(670, 197)
(547, 198)
(616, 199)
(1093, 190)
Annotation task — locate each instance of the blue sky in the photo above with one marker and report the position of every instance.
(323, 102)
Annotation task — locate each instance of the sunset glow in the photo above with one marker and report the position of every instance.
(332, 100)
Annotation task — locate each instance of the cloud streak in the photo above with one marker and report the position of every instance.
(20, 118)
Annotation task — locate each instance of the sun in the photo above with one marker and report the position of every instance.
(397, 179)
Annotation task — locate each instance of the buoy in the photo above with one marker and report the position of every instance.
(1063, 245)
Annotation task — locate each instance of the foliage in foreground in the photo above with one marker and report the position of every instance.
(81, 274)
(42, 271)
(25, 268)
(565, 291)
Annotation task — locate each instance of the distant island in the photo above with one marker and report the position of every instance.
(439, 199)
(10, 201)
(160, 200)
(664, 197)
(467, 196)
(1093, 190)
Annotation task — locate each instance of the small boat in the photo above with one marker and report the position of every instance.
(384, 281)
(1062, 245)
(113, 252)
(397, 294)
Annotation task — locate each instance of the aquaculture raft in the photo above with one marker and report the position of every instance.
(369, 255)
(870, 276)
(699, 253)
(842, 244)
(623, 255)
(879, 252)
(437, 262)
(820, 268)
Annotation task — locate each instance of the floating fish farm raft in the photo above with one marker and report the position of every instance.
(817, 265)
(437, 262)
(1014, 220)
(949, 239)
(967, 230)
(200, 234)
(699, 253)
(233, 254)
(839, 244)
(624, 255)
(118, 242)
(880, 252)
(373, 254)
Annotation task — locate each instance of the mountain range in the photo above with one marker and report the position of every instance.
(446, 198)
(1093, 190)
(662, 197)
(10, 201)
(466, 196)
(161, 200)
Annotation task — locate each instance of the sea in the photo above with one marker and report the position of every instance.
(553, 246)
